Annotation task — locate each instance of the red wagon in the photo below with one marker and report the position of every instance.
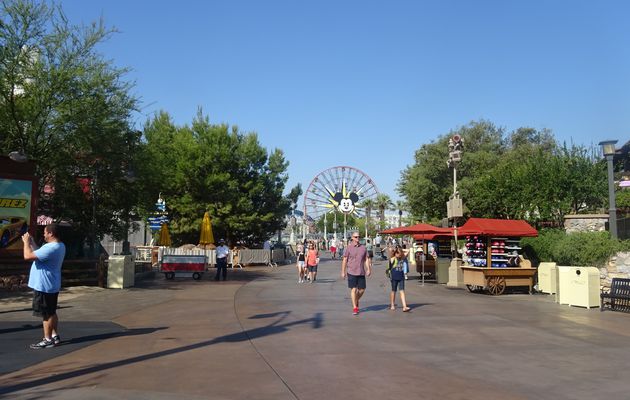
(187, 265)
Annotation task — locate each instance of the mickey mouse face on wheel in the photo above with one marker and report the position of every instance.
(346, 204)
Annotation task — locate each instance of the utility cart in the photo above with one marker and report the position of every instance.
(495, 280)
(183, 265)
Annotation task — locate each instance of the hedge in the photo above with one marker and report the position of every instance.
(578, 249)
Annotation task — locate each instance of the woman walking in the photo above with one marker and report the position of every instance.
(312, 259)
(301, 258)
(397, 265)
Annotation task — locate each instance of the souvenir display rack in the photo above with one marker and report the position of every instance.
(493, 265)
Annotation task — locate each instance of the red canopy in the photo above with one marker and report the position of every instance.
(432, 236)
(496, 227)
(418, 229)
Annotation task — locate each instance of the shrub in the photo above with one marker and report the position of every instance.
(579, 249)
(539, 249)
(623, 198)
(585, 249)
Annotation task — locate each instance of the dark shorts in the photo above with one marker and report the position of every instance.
(356, 281)
(312, 268)
(398, 284)
(44, 304)
(370, 254)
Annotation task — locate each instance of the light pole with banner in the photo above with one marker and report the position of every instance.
(608, 148)
(454, 209)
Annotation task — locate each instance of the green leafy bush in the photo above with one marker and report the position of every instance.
(578, 249)
(585, 249)
(540, 249)
(622, 198)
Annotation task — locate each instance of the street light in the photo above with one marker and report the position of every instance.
(608, 147)
(454, 209)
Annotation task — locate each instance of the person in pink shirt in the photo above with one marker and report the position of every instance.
(312, 260)
(356, 267)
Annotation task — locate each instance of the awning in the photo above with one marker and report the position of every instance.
(418, 229)
(496, 227)
(433, 236)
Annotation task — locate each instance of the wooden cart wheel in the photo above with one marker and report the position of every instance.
(169, 275)
(496, 285)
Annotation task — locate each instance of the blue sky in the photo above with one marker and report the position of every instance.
(366, 83)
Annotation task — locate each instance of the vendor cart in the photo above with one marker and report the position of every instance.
(493, 255)
(495, 280)
(186, 265)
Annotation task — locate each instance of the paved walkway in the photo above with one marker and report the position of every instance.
(263, 336)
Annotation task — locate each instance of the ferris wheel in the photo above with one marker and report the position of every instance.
(341, 189)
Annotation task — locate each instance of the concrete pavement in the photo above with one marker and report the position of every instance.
(261, 335)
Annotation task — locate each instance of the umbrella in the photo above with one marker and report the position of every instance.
(165, 237)
(206, 231)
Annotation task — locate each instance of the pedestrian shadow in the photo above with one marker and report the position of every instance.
(272, 328)
(413, 306)
(376, 307)
(25, 327)
(111, 335)
(325, 280)
(18, 310)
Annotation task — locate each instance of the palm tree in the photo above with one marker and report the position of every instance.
(400, 206)
(383, 202)
(368, 204)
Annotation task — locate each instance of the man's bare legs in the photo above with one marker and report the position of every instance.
(50, 326)
(355, 296)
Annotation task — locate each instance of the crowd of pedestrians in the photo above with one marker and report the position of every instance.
(357, 264)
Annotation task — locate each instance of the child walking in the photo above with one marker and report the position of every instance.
(397, 266)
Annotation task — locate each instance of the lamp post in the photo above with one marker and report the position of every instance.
(608, 148)
(454, 208)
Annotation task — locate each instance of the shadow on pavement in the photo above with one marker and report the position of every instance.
(103, 336)
(16, 336)
(246, 335)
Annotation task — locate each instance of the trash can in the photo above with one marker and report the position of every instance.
(578, 286)
(547, 279)
(120, 272)
(442, 269)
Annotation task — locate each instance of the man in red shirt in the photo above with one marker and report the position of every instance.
(356, 266)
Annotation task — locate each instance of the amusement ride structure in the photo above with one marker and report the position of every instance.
(340, 189)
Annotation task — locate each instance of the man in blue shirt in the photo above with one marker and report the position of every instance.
(45, 280)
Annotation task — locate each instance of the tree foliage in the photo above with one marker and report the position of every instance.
(69, 109)
(523, 174)
(215, 168)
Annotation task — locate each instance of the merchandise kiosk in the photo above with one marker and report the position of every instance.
(493, 252)
(436, 250)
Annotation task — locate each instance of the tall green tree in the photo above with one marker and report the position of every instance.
(401, 206)
(68, 108)
(522, 174)
(383, 202)
(368, 205)
(215, 168)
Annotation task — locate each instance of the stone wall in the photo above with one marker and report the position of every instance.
(618, 267)
(585, 223)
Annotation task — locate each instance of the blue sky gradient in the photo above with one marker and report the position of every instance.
(366, 83)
